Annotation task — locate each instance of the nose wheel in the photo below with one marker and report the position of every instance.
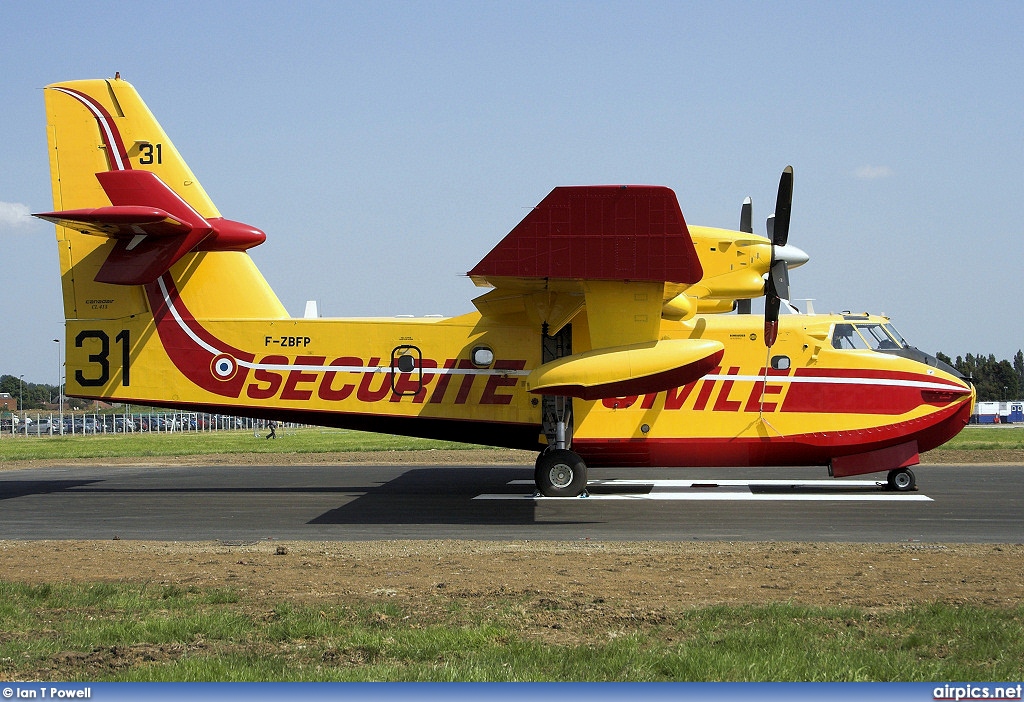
(902, 480)
(560, 473)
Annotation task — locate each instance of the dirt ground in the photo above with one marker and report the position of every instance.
(636, 579)
(630, 581)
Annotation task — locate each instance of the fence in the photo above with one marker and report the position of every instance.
(89, 423)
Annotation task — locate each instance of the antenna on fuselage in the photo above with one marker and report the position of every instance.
(809, 307)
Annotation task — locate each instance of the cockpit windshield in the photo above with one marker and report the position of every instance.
(896, 335)
(868, 335)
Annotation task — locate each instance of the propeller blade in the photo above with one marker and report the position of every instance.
(747, 217)
(771, 319)
(779, 278)
(775, 290)
(783, 208)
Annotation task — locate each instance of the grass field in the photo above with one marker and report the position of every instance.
(987, 437)
(317, 440)
(303, 440)
(115, 631)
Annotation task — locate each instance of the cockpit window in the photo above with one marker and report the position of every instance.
(846, 337)
(895, 335)
(876, 337)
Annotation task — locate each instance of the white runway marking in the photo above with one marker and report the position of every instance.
(730, 490)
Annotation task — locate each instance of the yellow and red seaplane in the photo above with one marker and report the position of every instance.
(607, 335)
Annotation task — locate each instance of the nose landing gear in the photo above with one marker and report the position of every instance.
(901, 480)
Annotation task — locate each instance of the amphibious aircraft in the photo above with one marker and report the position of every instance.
(605, 338)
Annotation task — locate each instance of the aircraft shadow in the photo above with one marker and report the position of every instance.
(11, 489)
(442, 495)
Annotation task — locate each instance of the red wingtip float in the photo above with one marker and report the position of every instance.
(605, 339)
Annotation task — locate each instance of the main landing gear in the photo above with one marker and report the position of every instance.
(560, 473)
(901, 480)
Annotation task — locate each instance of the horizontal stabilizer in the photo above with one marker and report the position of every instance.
(597, 232)
(636, 369)
(153, 228)
(124, 222)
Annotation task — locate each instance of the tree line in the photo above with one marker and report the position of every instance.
(36, 396)
(994, 380)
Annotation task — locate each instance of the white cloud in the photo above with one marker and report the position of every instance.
(872, 172)
(14, 215)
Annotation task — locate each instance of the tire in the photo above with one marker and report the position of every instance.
(902, 480)
(560, 473)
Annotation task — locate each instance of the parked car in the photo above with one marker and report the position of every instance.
(124, 424)
(40, 428)
(85, 425)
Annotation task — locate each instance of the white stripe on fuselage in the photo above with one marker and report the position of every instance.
(924, 385)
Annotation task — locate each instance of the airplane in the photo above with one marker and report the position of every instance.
(605, 338)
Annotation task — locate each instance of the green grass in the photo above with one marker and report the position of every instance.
(304, 440)
(987, 438)
(107, 631)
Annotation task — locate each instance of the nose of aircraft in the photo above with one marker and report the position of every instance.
(792, 255)
(951, 412)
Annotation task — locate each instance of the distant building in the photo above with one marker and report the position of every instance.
(8, 403)
(1011, 412)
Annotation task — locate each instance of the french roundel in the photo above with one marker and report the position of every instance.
(224, 367)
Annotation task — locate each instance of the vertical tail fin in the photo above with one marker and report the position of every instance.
(128, 209)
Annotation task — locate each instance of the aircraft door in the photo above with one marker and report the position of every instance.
(406, 371)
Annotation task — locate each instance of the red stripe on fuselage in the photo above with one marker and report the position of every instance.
(189, 357)
(816, 448)
(866, 397)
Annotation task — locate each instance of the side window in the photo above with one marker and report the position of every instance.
(780, 362)
(844, 336)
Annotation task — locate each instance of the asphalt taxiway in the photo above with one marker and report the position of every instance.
(972, 503)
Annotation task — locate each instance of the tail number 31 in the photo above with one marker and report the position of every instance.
(97, 371)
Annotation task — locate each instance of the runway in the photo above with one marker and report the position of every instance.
(249, 503)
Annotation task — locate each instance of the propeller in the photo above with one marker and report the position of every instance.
(776, 288)
(784, 256)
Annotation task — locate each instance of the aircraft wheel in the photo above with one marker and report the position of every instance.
(560, 473)
(902, 480)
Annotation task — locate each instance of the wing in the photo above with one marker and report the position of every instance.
(616, 254)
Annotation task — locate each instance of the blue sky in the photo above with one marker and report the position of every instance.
(386, 147)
